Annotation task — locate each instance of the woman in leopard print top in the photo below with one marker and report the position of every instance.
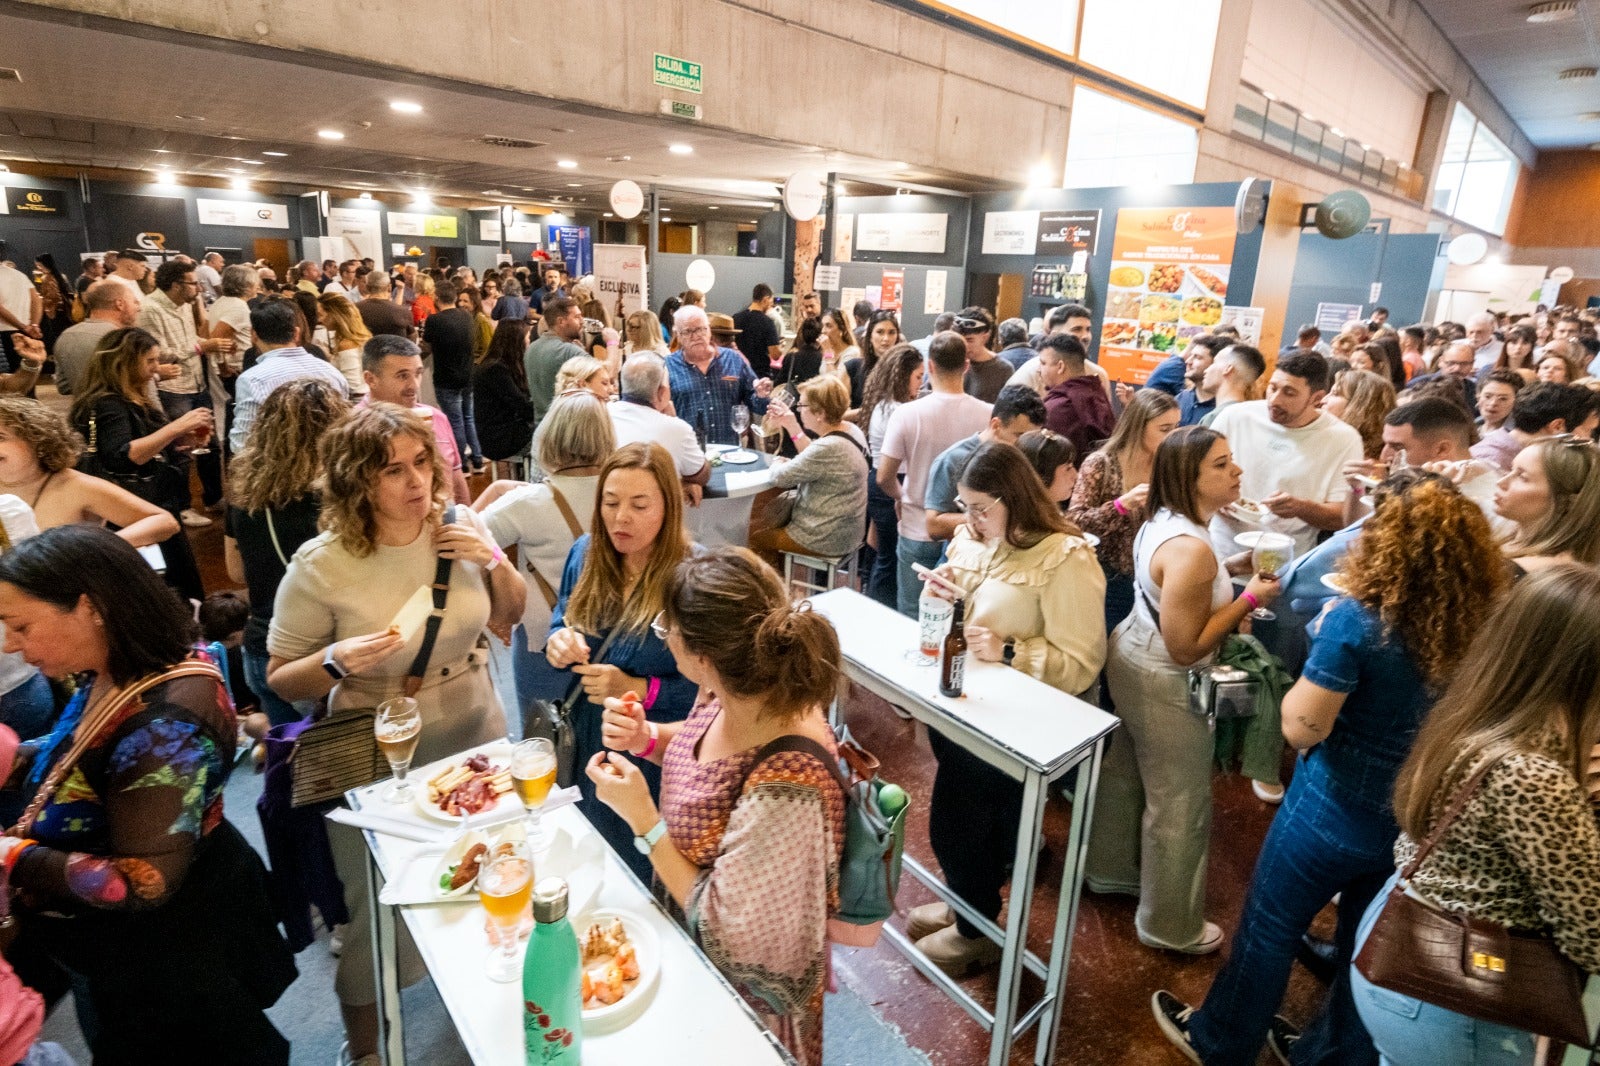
(1525, 852)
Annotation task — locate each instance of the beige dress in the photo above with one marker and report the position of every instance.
(329, 594)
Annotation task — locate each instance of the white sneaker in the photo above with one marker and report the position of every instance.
(194, 519)
(1272, 794)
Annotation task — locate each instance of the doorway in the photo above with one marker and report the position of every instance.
(274, 252)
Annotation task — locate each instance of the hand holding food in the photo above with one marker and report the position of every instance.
(565, 647)
(356, 655)
(620, 786)
(602, 680)
(622, 723)
(1281, 504)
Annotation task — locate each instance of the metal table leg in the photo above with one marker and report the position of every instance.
(1029, 833)
(391, 1029)
(1067, 905)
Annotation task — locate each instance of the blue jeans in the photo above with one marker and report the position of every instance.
(909, 551)
(279, 710)
(457, 407)
(1409, 1032)
(1320, 843)
(882, 582)
(30, 708)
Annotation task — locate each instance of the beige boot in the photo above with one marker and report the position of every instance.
(928, 918)
(955, 954)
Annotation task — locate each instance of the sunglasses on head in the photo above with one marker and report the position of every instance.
(971, 325)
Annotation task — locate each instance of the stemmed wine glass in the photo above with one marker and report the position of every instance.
(505, 885)
(533, 771)
(398, 727)
(740, 421)
(1271, 557)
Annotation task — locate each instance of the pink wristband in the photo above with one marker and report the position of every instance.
(1117, 503)
(648, 748)
(651, 692)
(1250, 598)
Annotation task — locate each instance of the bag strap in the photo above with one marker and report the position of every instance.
(573, 526)
(430, 629)
(272, 531)
(567, 701)
(852, 440)
(545, 590)
(88, 730)
(795, 742)
(1457, 805)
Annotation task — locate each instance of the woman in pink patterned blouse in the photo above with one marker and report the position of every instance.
(747, 845)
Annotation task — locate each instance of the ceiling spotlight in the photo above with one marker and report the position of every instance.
(241, 184)
(253, 162)
(681, 149)
(364, 196)
(1039, 176)
(665, 219)
(1577, 74)
(280, 155)
(574, 184)
(164, 177)
(713, 207)
(618, 158)
(405, 107)
(1553, 11)
(608, 215)
(567, 164)
(331, 135)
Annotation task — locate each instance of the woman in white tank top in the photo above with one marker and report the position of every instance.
(1152, 819)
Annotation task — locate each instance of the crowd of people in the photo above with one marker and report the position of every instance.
(1437, 490)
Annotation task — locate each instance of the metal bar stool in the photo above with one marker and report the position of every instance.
(813, 565)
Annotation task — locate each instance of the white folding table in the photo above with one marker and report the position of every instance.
(695, 1018)
(1029, 731)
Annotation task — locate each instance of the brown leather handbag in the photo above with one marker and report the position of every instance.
(1470, 966)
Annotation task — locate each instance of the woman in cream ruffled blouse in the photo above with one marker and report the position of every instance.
(1035, 600)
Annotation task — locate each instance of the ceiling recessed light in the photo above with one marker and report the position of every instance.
(1554, 11)
(280, 155)
(253, 162)
(405, 107)
(331, 135)
(574, 184)
(713, 207)
(681, 149)
(608, 214)
(162, 151)
(567, 164)
(364, 196)
(241, 184)
(665, 219)
(753, 222)
(618, 158)
(164, 177)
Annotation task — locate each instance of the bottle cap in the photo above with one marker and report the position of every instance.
(549, 900)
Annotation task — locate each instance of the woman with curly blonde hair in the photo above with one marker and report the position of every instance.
(273, 509)
(341, 629)
(1362, 399)
(1380, 655)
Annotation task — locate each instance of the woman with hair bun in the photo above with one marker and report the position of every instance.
(748, 846)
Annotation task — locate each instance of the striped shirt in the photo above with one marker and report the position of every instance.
(276, 368)
(706, 400)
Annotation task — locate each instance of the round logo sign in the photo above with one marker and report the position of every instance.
(803, 194)
(1468, 249)
(1561, 275)
(700, 275)
(627, 199)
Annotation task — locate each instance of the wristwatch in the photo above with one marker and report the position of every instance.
(647, 843)
(1008, 651)
(330, 664)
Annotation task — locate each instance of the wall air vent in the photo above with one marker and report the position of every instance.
(510, 142)
(1577, 74)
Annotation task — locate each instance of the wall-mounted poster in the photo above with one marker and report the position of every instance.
(37, 202)
(409, 224)
(248, 213)
(361, 231)
(571, 244)
(1247, 320)
(894, 287)
(919, 232)
(1168, 282)
(1064, 232)
(1010, 232)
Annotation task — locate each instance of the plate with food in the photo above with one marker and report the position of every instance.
(456, 873)
(1119, 332)
(1127, 277)
(1334, 582)
(465, 787)
(1202, 310)
(1166, 277)
(621, 960)
(1247, 510)
(1209, 281)
(739, 457)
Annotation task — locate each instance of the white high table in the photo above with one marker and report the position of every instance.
(1029, 731)
(695, 1018)
(723, 516)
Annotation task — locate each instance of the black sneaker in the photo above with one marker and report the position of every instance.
(1172, 1015)
(1281, 1038)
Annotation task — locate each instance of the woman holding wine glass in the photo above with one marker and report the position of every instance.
(334, 630)
(1152, 817)
(828, 477)
(1380, 655)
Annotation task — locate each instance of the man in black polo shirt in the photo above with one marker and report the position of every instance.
(758, 336)
(447, 337)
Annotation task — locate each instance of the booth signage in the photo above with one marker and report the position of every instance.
(36, 201)
(359, 230)
(1331, 318)
(1168, 282)
(406, 224)
(249, 214)
(1064, 232)
(674, 73)
(827, 277)
(1010, 232)
(571, 245)
(619, 278)
(923, 233)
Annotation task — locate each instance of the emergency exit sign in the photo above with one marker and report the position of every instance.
(675, 73)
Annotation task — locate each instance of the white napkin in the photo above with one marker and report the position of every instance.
(407, 824)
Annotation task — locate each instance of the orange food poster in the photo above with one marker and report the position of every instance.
(1168, 282)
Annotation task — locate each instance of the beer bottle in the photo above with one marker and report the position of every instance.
(953, 654)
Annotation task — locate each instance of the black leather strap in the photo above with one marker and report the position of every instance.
(430, 629)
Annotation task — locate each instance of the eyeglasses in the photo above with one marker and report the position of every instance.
(974, 511)
(694, 331)
(658, 626)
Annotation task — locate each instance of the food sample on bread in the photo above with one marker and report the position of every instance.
(610, 967)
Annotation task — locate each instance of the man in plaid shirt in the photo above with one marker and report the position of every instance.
(707, 381)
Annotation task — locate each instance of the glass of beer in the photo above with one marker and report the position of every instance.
(398, 727)
(533, 772)
(505, 885)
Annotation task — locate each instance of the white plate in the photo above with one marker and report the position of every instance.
(1333, 582)
(1254, 518)
(430, 809)
(739, 457)
(1247, 540)
(647, 949)
(451, 858)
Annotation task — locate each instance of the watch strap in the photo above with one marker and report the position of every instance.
(651, 837)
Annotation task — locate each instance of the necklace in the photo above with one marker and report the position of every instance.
(44, 484)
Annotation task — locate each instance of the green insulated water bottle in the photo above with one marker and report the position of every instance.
(552, 1002)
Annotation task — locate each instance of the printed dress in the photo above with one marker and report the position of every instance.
(143, 888)
(769, 860)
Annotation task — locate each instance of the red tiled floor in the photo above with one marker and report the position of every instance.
(1106, 1019)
